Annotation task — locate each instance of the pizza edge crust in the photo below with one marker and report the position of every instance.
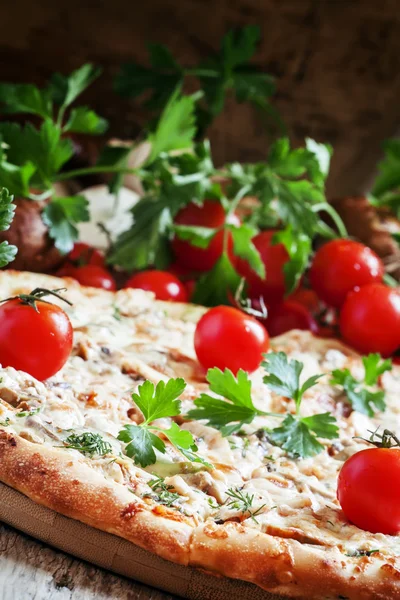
(288, 567)
(62, 482)
(56, 479)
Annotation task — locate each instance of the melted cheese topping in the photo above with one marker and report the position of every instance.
(124, 338)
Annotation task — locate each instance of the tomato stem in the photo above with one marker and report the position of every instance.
(38, 294)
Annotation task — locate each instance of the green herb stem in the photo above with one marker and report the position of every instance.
(324, 206)
(93, 170)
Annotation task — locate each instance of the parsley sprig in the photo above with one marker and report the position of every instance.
(386, 189)
(32, 157)
(7, 209)
(155, 403)
(233, 409)
(228, 70)
(359, 394)
(297, 435)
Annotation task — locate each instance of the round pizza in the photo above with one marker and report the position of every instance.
(230, 472)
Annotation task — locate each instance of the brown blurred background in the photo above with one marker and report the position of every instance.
(337, 64)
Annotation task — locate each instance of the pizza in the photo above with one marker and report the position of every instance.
(235, 503)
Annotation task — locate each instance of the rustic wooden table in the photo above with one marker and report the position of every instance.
(29, 570)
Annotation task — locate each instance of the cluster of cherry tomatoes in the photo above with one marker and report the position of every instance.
(346, 296)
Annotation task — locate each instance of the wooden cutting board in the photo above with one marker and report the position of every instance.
(118, 555)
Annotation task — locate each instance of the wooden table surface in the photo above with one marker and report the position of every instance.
(30, 570)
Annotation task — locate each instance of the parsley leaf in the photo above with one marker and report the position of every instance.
(146, 242)
(176, 127)
(389, 171)
(61, 216)
(296, 434)
(41, 147)
(196, 235)
(298, 246)
(237, 408)
(85, 120)
(16, 178)
(244, 247)
(64, 89)
(24, 98)
(284, 376)
(155, 403)
(163, 77)
(140, 444)
(228, 69)
(218, 285)
(161, 401)
(7, 209)
(361, 398)
(374, 367)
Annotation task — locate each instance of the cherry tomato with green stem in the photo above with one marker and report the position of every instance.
(35, 335)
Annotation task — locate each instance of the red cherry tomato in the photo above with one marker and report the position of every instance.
(307, 298)
(37, 342)
(369, 490)
(212, 215)
(370, 319)
(289, 315)
(83, 254)
(340, 266)
(67, 270)
(94, 276)
(190, 286)
(227, 338)
(164, 285)
(274, 257)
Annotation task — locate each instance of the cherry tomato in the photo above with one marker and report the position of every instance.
(307, 298)
(289, 315)
(94, 276)
(212, 215)
(190, 286)
(370, 319)
(227, 338)
(274, 257)
(67, 270)
(37, 342)
(342, 265)
(83, 254)
(186, 276)
(369, 490)
(164, 285)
